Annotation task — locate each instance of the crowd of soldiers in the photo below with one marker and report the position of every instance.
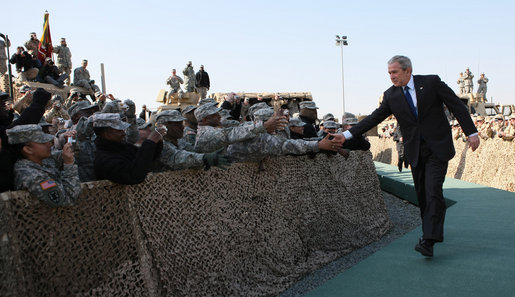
(38, 68)
(49, 144)
(193, 82)
(466, 84)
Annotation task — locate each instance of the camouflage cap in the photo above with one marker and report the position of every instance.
(206, 100)
(296, 122)
(24, 89)
(205, 110)
(98, 93)
(80, 105)
(480, 118)
(142, 124)
(188, 109)
(263, 114)
(352, 121)
(28, 133)
(225, 114)
(110, 120)
(57, 98)
(169, 116)
(330, 125)
(328, 117)
(257, 107)
(308, 105)
(498, 117)
(512, 117)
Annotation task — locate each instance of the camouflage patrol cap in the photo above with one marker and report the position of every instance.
(330, 125)
(28, 133)
(352, 121)
(109, 120)
(24, 89)
(81, 105)
(328, 117)
(206, 100)
(296, 122)
(256, 107)
(188, 109)
(224, 113)
(263, 114)
(480, 118)
(142, 124)
(98, 94)
(498, 117)
(308, 105)
(57, 98)
(512, 116)
(205, 110)
(169, 116)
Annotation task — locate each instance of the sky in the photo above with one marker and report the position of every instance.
(278, 46)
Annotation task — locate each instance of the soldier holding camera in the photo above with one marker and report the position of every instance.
(49, 73)
(57, 110)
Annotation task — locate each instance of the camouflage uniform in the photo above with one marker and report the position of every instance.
(81, 78)
(481, 90)
(175, 84)
(469, 85)
(210, 139)
(509, 132)
(64, 60)
(461, 84)
(52, 182)
(484, 130)
(189, 78)
(56, 113)
(187, 142)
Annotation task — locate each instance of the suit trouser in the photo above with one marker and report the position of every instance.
(428, 177)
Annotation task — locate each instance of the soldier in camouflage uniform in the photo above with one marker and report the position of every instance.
(187, 142)
(64, 59)
(469, 84)
(57, 110)
(83, 138)
(210, 137)
(24, 101)
(481, 90)
(51, 178)
(461, 84)
(484, 129)
(175, 82)
(508, 133)
(189, 77)
(32, 45)
(81, 78)
(174, 158)
(498, 125)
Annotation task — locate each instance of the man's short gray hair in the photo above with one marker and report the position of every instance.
(404, 61)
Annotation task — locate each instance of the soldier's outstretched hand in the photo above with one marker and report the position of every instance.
(216, 158)
(329, 145)
(337, 138)
(276, 123)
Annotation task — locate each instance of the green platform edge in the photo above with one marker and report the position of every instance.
(477, 257)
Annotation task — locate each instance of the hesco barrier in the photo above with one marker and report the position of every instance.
(244, 231)
(492, 164)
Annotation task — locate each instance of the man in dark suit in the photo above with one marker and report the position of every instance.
(417, 102)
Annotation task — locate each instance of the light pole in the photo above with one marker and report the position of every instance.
(342, 42)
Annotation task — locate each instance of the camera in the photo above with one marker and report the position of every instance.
(71, 140)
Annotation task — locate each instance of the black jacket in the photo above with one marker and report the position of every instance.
(31, 115)
(309, 128)
(22, 63)
(202, 79)
(50, 70)
(124, 163)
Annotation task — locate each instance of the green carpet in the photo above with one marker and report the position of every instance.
(477, 257)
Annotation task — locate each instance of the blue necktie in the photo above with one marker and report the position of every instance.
(410, 102)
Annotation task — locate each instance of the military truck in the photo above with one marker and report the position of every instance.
(175, 101)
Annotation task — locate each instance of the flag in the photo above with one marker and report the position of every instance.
(45, 44)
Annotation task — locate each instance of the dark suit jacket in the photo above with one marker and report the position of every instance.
(431, 126)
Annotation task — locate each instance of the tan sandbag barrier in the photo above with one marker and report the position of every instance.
(492, 164)
(238, 232)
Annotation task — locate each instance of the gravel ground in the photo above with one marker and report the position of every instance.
(404, 217)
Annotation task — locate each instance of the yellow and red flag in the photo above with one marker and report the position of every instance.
(45, 44)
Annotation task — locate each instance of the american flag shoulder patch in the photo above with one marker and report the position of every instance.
(47, 184)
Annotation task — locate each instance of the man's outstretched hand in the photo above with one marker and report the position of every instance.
(473, 142)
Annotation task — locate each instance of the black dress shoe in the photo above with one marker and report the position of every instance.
(425, 248)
